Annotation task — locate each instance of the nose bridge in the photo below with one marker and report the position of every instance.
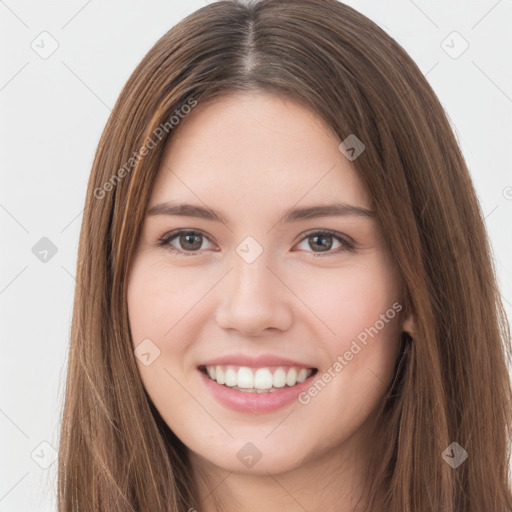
(251, 274)
(251, 298)
(251, 279)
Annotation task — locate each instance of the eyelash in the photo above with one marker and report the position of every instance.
(165, 241)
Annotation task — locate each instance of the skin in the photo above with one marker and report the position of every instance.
(252, 156)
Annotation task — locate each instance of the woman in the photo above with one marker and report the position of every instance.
(287, 299)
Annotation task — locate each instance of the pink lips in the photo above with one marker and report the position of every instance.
(255, 403)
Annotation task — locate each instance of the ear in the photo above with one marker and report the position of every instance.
(409, 325)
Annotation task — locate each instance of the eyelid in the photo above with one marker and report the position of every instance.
(348, 244)
(345, 238)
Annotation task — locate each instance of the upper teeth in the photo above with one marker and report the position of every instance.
(258, 378)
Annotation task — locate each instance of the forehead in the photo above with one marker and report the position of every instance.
(255, 151)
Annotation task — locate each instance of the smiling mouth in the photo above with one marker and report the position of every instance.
(257, 380)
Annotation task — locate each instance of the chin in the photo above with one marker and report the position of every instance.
(259, 456)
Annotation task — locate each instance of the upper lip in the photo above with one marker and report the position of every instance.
(254, 362)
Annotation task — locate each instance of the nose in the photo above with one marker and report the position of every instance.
(254, 298)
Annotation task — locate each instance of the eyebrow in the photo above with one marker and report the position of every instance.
(291, 215)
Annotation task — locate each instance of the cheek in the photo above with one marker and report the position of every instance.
(362, 310)
(163, 304)
(158, 302)
(159, 299)
(350, 301)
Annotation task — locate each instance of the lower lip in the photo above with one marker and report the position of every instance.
(254, 402)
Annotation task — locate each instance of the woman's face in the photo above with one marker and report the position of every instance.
(262, 299)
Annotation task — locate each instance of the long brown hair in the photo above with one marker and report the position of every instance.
(452, 383)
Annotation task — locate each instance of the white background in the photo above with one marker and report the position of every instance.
(52, 114)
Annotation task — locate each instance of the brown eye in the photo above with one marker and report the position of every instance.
(190, 242)
(322, 242)
(183, 241)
